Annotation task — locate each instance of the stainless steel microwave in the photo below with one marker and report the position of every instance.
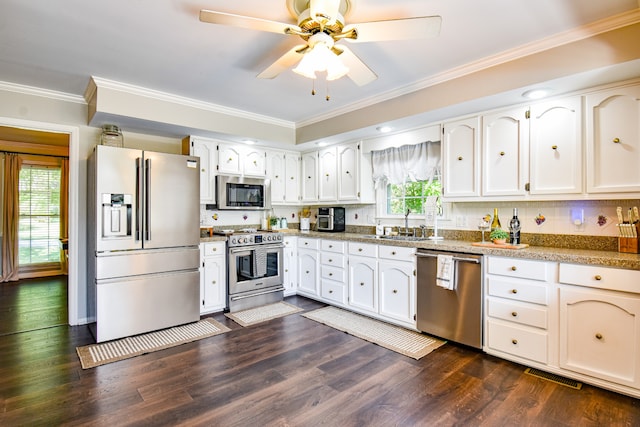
(237, 192)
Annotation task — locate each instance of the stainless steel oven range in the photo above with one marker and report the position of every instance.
(254, 273)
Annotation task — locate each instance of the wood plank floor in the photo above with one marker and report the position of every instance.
(287, 372)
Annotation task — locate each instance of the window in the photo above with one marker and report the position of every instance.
(410, 195)
(39, 215)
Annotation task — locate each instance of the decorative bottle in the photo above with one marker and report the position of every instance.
(496, 221)
(111, 136)
(514, 228)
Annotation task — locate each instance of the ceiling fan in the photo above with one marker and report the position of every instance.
(321, 24)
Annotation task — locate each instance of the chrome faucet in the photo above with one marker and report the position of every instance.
(406, 222)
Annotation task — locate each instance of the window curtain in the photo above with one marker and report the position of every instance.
(396, 165)
(64, 214)
(12, 163)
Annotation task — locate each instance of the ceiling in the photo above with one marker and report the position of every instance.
(164, 47)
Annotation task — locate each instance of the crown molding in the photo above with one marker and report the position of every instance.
(99, 82)
(576, 34)
(45, 93)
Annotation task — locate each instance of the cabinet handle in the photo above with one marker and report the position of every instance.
(459, 157)
(598, 336)
(514, 341)
(514, 268)
(514, 313)
(616, 140)
(395, 291)
(502, 153)
(598, 277)
(514, 291)
(554, 147)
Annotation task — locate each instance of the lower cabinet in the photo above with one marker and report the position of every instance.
(333, 277)
(290, 265)
(397, 289)
(213, 278)
(308, 267)
(363, 282)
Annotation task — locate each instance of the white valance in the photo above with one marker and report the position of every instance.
(396, 165)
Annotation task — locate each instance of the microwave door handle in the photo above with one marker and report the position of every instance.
(147, 198)
(138, 212)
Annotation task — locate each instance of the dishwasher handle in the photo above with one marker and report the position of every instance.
(455, 258)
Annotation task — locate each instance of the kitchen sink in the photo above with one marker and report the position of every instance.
(398, 237)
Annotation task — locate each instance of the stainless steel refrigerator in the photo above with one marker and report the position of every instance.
(143, 235)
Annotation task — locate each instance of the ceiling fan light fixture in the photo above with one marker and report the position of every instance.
(321, 58)
(324, 11)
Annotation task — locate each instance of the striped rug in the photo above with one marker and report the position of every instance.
(99, 354)
(261, 314)
(404, 341)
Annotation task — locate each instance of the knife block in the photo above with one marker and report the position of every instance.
(630, 244)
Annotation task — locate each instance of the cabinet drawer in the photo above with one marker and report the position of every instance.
(307, 243)
(512, 267)
(332, 291)
(397, 253)
(212, 249)
(333, 259)
(363, 249)
(333, 246)
(519, 290)
(333, 273)
(517, 340)
(600, 277)
(517, 312)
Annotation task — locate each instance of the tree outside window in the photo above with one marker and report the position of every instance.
(411, 195)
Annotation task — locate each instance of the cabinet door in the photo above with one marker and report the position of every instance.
(214, 284)
(290, 265)
(276, 173)
(292, 178)
(348, 172)
(556, 147)
(206, 150)
(327, 176)
(308, 272)
(505, 152)
(613, 140)
(310, 177)
(363, 284)
(397, 291)
(229, 158)
(461, 158)
(253, 161)
(600, 334)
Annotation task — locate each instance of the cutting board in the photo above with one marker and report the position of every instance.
(500, 246)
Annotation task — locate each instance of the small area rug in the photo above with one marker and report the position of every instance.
(262, 314)
(100, 354)
(409, 343)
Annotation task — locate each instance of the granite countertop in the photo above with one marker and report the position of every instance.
(543, 253)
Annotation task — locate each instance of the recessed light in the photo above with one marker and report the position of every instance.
(384, 129)
(321, 144)
(249, 141)
(536, 93)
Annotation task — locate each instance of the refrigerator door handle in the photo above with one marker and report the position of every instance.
(138, 220)
(147, 195)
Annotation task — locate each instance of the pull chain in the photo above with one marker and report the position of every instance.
(313, 87)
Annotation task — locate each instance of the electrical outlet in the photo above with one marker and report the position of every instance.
(577, 219)
(461, 221)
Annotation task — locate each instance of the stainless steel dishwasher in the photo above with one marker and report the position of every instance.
(453, 314)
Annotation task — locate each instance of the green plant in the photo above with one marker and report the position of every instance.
(498, 234)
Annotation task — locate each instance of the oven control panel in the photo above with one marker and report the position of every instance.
(252, 239)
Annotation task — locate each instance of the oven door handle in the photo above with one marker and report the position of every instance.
(270, 291)
(234, 251)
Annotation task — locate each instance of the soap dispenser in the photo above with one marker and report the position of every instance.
(379, 229)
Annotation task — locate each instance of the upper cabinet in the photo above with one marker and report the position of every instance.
(327, 177)
(238, 159)
(505, 153)
(613, 140)
(556, 147)
(283, 169)
(208, 154)
(309, 176)
(461, 158)
(355, 182)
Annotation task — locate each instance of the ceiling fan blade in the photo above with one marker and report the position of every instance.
(240, 21)
(358, 70)
(396, 29)
(285, 62)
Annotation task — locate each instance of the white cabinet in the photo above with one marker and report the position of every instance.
(308, 267)
(309, 177)
(283, 169)
(327, 175)
(556, 147)
(355, 182)
(238, 159)
(505, 153)
(613, 140)
(363, 277)
(461, 158)
(208, 154)
(290, 265)
(212, 277)
(333, 277)
(397, 284)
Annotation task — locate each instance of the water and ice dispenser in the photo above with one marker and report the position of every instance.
(116, 215)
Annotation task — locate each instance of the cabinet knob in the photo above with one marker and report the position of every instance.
(292, 177)
(331, 291)
(326, 174)
(286, 270)
(359, 249)
(514, 268)
(393, 252)
(307, 271)
(598, 277)
(598, 336)
(361, 283)
(277, 176)
(213, 281)
(230, 159)
(514, 291)
(395, 291)
(330, 260)
(514, 341)
(554, 147)
(347, 172)
(203, 170)
(502, 153)
(616, 140)
(514, 313)
(459, 157)
(309, 177)
(330, 274)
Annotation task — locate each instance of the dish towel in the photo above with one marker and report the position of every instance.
(446, 275)
(260, 262)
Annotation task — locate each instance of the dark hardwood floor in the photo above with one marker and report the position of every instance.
(287, 372)
(31, 304)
